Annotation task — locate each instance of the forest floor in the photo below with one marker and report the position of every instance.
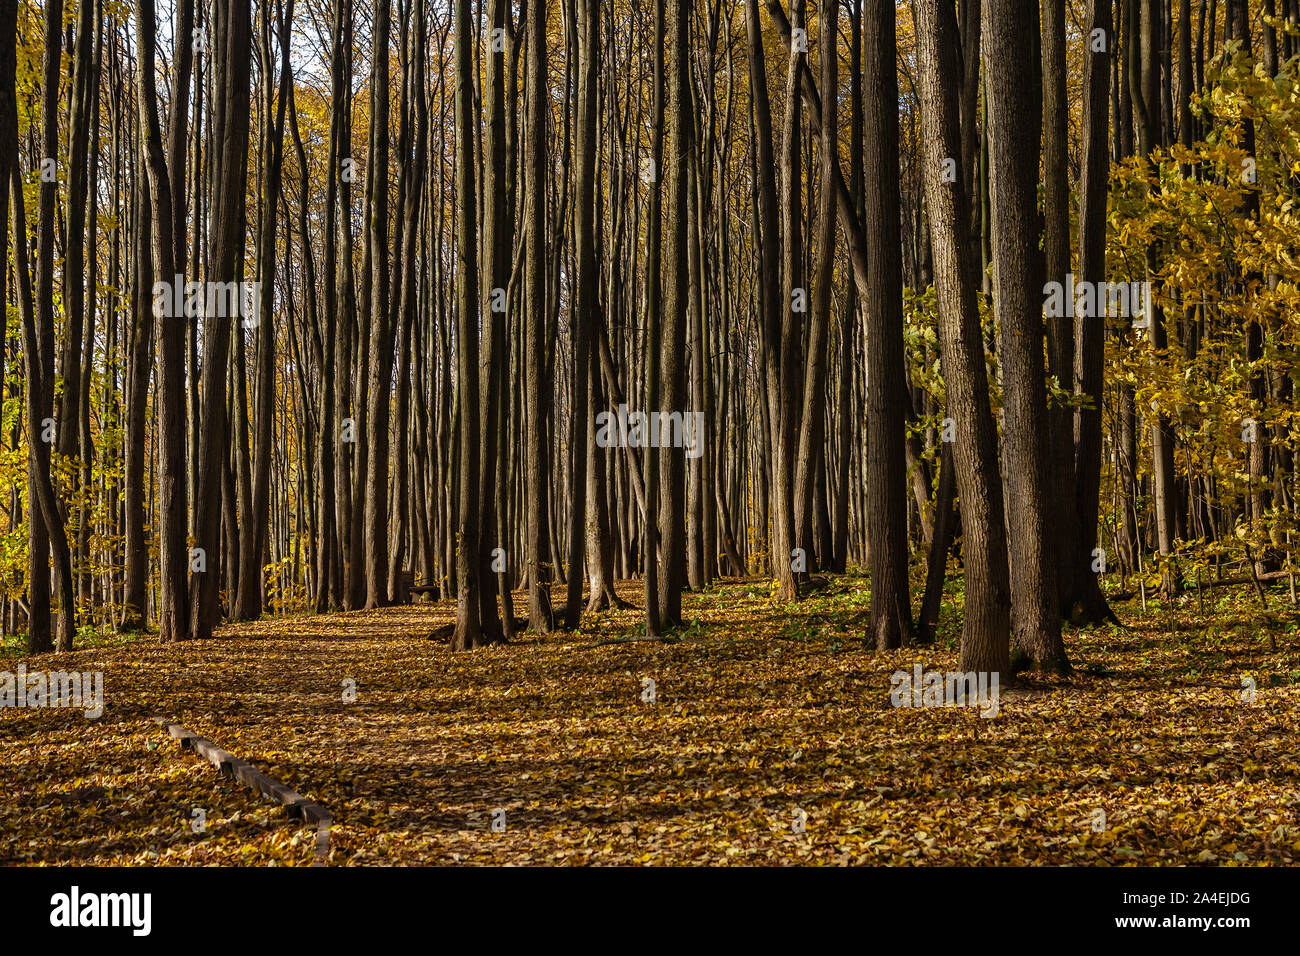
(770, 739)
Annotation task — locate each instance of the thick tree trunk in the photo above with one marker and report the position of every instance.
(1060, 328)
(886, 518)
(986, 629)
(226, 238)
(1013, 121)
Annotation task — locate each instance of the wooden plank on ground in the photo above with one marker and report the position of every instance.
(296, 805)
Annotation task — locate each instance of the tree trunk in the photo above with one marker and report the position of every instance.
(1013, 122)
(986, 625)
(540, 616)
(886, 517)
(226, 238)
(1089, 339)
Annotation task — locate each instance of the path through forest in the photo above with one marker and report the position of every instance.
(764, 716)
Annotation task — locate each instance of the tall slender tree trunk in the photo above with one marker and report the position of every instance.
(226, 239)
(986, 624)
(469, 631)
(45, 525)
(1060, 328)
(1089, 338)
(71, 354)
(1013, 121)
(540, 616)
(886, 518)
(681, 145)
(253, 540)
(584, 317)
(768, 239)
(379, 394)
(812, 429)
(1144, 92)
(494, 575)
(140, 363)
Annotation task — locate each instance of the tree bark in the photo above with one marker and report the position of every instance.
(986, 624)
(886, 517)
(1013, 122)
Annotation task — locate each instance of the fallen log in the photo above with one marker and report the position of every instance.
(228, 765)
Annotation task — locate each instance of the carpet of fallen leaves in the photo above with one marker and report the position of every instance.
(763, 715)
